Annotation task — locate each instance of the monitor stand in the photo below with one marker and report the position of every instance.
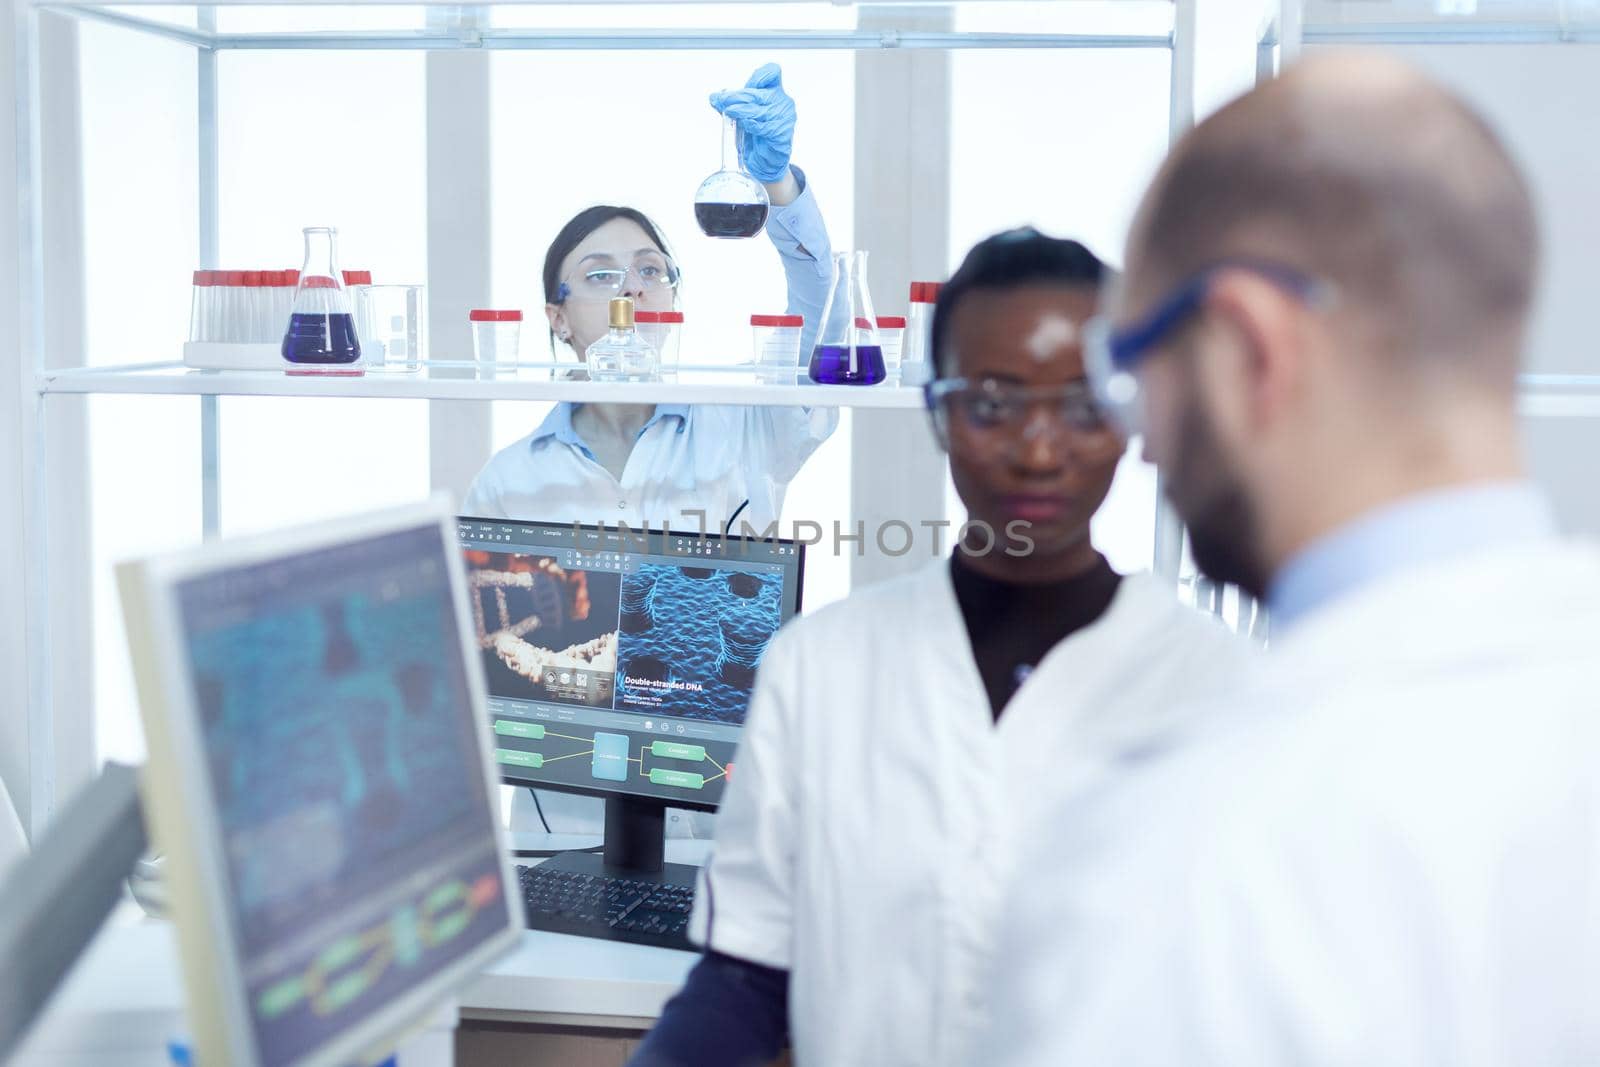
(635, 843)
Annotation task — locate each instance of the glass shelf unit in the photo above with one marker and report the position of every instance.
(471, 382)
(1401, 22)
(1542, 395)
(671, 25)
(782, 26)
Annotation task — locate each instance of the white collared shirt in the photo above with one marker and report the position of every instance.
(867, 840)
(692, 468)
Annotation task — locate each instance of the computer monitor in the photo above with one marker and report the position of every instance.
(620, 662)
(320, 782)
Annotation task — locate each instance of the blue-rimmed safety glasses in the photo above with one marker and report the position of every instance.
(1112, 354)
(655, 270)
(987, 420)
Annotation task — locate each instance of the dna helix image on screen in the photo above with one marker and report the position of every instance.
(671, 662)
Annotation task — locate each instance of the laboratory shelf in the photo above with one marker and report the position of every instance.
(471, 382)
(1540, 395)
(435, 39)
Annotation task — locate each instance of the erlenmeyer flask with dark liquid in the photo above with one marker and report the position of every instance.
(731, 203)
(321, 338)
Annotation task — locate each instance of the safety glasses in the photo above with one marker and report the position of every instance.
(991, 420)
(1112, 355)
(655, 273)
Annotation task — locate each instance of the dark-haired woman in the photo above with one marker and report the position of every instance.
(686, 467)
(668, 463)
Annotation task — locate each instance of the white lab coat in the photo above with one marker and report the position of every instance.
(867, 840)
(691, 469)
(1390, 855)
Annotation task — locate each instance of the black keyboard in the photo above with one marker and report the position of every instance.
(645, 912)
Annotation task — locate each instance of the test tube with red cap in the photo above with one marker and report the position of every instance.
(776, 346)
(891, 335)
(916, 360)
(201, 307)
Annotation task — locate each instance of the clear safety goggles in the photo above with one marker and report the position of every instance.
(654, 271)
(1112, 354)
(993, 420)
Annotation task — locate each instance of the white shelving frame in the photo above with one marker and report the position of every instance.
(448, 28)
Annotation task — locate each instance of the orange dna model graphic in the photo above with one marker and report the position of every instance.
(528, 594)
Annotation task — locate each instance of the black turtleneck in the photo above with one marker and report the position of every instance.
(1012, 626)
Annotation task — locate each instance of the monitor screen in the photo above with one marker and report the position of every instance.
(621, 661)
(356, 822)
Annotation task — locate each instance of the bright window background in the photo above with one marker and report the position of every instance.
(1028, 147)
(337, 139)
(305, 142)
(630, 128)
(289, 159)
(139, 154)
(572, 130)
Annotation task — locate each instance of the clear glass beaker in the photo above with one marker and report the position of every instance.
(392, 326)
(848, 350)
(731, 203)
(322, 324)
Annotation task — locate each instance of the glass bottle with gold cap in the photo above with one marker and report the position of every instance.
(622, 355)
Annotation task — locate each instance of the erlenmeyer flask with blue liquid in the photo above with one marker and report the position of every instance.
(321, 338)
(848, 351)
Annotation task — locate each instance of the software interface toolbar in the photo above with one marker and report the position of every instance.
(622, 661)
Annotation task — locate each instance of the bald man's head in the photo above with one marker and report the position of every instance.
(1361, 172)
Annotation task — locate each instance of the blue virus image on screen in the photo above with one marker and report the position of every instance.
(671, 662)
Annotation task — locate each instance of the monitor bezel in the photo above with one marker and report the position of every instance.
(601, 793)
(189, 770)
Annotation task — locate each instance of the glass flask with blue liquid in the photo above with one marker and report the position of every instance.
(321, 338)
(848, 351)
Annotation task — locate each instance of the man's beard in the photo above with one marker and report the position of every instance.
(1224, 537)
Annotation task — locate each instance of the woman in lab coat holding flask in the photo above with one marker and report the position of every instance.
(686, 467)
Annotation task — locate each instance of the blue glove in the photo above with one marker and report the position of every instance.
(765, 116)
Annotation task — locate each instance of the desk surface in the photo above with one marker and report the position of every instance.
(127, 992)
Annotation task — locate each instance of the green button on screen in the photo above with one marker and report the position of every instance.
(512, 728)
(681, 779)
(673, 750)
